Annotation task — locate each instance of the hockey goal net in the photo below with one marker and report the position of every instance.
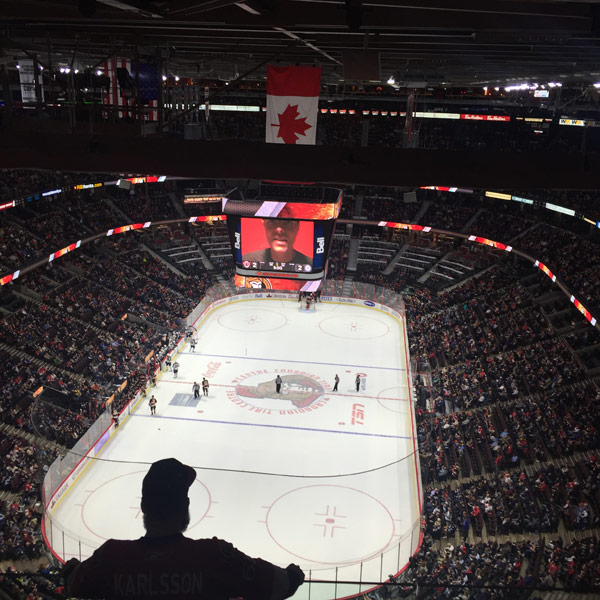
(307, 305)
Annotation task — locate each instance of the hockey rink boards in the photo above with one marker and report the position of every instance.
(328, 480)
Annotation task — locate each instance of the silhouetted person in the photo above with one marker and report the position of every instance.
(164, 564)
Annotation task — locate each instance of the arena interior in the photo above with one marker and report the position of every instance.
(464, 139)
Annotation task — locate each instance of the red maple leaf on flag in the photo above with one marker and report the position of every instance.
(290, 126)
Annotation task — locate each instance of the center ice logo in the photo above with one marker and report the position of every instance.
(300, 392)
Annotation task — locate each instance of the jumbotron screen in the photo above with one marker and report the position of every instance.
(280, 239)
(282, 245)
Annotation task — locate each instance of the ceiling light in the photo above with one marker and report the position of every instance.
(517, 86)
(391, 80)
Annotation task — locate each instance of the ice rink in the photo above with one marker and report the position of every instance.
(320, 478)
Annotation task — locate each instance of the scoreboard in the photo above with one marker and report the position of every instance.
(281, 239)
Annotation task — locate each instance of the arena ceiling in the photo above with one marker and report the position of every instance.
(429, 42)
(440, 42)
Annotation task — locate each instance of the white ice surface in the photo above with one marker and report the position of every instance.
(302, 482)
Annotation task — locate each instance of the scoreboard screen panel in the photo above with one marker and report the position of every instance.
(281, 245)
(265, 282)
(282, 237)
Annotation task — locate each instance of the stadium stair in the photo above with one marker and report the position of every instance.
(40, 363)
(31, 438)
(472, 220)
(424, 207)
(394, 260)
(166, 263)
(347, 288)
(353, 254)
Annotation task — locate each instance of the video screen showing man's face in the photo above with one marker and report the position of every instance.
(286, 243)
(281, 236)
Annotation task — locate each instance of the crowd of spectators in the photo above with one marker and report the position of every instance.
(508, 400)
(20, 531)
(92, 209)
(20, 183)
(499, 226)
(463, 446)
(20, 518)
(338, 257)
(507, 405)
(145, 203)
(155, 269)
(574, 259)
(56, 228)
(451, 213)
(18, 247)
(45, 584)
(506, 434)
(506, 569)
(388, 205)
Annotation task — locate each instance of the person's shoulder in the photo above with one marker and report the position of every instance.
(257, 255)
(213, 546)
(115, 549)
(301, 258)
(112, 543)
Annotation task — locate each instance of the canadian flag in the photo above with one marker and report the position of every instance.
(292, 104)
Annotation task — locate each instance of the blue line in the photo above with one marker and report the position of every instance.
(285, 360)
(377, 435)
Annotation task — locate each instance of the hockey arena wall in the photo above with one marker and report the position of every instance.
(66, 471)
